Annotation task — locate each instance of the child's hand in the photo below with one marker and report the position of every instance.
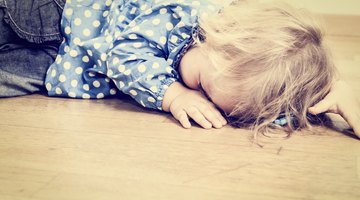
(193, 104)
(341, 100)
(184, 103)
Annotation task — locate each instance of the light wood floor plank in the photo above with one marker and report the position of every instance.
(64, 149)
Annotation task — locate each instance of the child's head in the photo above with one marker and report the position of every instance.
(271, 60)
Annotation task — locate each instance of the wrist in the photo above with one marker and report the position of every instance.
(174, 90)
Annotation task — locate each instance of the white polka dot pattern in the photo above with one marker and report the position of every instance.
(132, 46)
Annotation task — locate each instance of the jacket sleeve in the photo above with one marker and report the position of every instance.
(140, 69)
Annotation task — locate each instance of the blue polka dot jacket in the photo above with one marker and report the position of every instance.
(132, 46)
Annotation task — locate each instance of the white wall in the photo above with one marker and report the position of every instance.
(335, 7)
(339, 7)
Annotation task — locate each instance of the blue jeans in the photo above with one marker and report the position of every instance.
(29, 41)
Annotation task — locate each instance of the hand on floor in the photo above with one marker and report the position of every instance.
(193, 104)
(341, 100)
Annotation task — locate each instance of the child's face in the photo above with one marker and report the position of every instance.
(198, 73)
(208, 85)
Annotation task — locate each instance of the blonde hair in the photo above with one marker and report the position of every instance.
(272, 60)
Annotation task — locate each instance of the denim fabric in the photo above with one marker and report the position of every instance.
(29, 41)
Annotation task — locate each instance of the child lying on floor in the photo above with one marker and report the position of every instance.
(259, 65)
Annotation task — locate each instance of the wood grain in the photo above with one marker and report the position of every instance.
(64, 149)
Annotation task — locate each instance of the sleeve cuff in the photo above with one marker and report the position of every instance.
(164, 86)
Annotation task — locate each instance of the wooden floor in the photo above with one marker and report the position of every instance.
(63, 149)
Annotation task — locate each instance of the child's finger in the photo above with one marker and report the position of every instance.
(353, 119)
(198, 117)
(182, 117)
(355, 125)
(323, 106)
(219, 115)
(210, 115)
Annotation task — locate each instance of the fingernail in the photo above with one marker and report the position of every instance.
(208, 126)
(311, 110)
(218, 124)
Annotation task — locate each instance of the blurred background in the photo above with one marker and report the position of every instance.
(340, 17)
(344, 7)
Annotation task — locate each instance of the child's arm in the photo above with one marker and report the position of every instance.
(184, 103)
(341, 100)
